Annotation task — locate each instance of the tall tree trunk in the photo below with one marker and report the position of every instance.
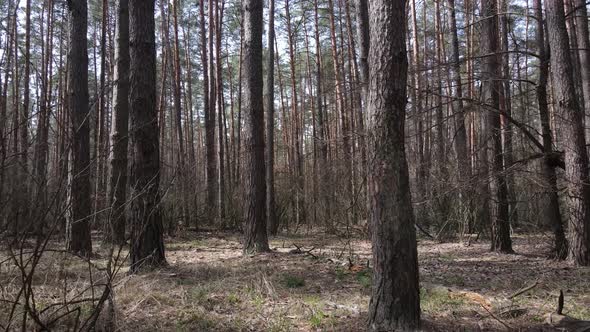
(255, 229)
(417, 107)
(552, 213)
(573, 140)
(220, 111)
(79, 240)
(583, 41)
(441, 157)
(300, 191)
(41, 151)
(24, 121)
(212, 190)
(340, 103)
(362, 17)
(322, 125)
(491, 71)
(463, 160)
(395, 300)
(101, 144)
(181, 162)
(120, 133)
(147, 243)
(3, 120)
(506, 106)
(269, 105)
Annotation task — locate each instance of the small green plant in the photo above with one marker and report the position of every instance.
(312, 300)
(364, 278)
(456, 280)
(438, 299)
(195, 321)
(579, 312)
(292, 281)
(258, 301)
(280, 324)
(233, 298)
(340, 273)
(198, 294)
(316, 319)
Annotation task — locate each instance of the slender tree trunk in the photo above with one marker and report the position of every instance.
(463, 160)
(79, 240)
(573, 140)
(147, 243)
(41, 151)
(583, 41)
(395, 300)
(300, 191)
(24, 121)
(506, 106)
(421, 169)
(340, 104)
(220, 110)
(441, 196)
(269, 104)
(322, 124)
(181, 162)
(212, 190)
(101, 144)
(3, 123)
(120, 133)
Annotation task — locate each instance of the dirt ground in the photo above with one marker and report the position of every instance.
(323, 286)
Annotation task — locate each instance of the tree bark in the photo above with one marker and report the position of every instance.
(209, 100)
(147, 243)
(463, 161)
(79, 240)
(581, 18)
(120, 133)
(269, 104)
(491, 78)
(552, 213)
(395, 295)
(255, 228)
(572, 134)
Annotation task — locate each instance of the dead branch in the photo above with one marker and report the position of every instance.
(524, 290)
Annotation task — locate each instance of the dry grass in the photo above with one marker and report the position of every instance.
(211, 286)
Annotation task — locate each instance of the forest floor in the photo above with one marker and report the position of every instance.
(211, 286)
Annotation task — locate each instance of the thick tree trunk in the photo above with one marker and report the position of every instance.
(255, 213)
(395, 296)
(552, 213)
(572, 131)
(79, 240)
(120, 133)
(147, 243)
